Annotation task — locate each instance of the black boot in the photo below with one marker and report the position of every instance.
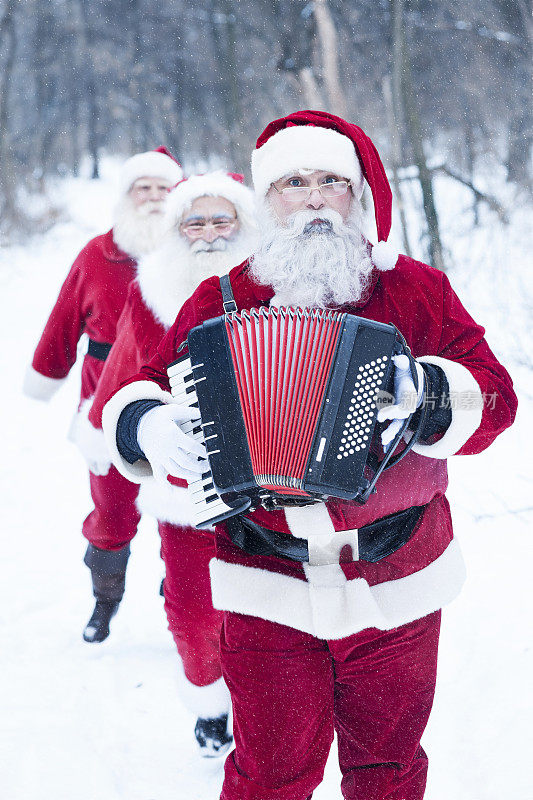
(212, 736)
(97, 629)
(108, 573)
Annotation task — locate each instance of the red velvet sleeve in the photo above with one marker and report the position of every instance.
(462, 340)
(204, 304)
(57, 349)
(122, 361)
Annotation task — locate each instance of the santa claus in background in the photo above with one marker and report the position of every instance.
(209, 222)
(332, 611)
(90, 301)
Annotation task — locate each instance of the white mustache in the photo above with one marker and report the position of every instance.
(150, 207)
(304, 222)
(218, 246)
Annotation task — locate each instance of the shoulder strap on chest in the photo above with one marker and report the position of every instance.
(228, 300)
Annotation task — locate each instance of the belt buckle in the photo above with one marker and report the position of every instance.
(327, 548)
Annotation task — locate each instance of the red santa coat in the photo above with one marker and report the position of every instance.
(335, 600)
(139, 332)
(152, 301)
(90, 301)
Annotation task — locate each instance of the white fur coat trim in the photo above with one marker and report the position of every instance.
(88, 439)
(139, 390)
(40, 387)
(165, 502)
(466, 402)
(332, 612)
(162, 285)
(209, 701)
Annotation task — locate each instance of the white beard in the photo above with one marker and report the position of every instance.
(170, 274)
(312, 267)
(138, 231)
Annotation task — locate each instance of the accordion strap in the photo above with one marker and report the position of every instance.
(228, 300)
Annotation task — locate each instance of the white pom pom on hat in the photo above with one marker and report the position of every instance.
(384, 256)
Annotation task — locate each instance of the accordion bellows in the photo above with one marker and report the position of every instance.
(288, 404)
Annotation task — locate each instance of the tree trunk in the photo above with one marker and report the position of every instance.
(228, 82)
(137, 80)
(327, 36)
(310, 89)
(415, 134)
(86, 43)
(395, 160)
(8, 42)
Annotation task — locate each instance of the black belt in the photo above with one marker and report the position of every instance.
(99, 350)
(376, 541)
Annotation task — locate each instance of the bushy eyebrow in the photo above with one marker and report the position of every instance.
(307, 174)
(201, 217)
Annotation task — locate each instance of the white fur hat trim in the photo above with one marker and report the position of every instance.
(212, 184)
(149, 165)
(384, 256)
(305, 147)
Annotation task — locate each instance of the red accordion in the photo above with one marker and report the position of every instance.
(288, 405)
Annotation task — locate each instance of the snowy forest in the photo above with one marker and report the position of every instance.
(443, 88)
(438, 78)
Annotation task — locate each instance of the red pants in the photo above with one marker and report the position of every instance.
(113, 522)
(192, 620)
(290, 691)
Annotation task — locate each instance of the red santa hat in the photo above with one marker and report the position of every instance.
(158, 163)
(322, 141)
(229, 185)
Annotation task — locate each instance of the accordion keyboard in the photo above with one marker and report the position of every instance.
(206, 501)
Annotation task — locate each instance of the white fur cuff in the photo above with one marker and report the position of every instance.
(89, 440)
(40, 387)
(139, 390)
(209, 701)
(166, 502)
(466, 402)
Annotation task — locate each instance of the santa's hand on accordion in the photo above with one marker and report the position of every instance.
(169, 450)
(407, 398)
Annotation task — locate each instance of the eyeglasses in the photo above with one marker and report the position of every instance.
(194, 230)
(294, 194)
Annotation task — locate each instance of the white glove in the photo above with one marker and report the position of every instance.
(406, 398)
(166, 447)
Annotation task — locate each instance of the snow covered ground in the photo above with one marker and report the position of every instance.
(103, 722)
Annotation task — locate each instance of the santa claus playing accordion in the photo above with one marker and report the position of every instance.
(350, 645)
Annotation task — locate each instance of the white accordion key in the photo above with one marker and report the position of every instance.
(183, 391)
(207, 503)
(202, 487)
(189, 429)
(181, 368)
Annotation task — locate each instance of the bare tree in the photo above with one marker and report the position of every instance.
(408, 101)
(329, 47)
